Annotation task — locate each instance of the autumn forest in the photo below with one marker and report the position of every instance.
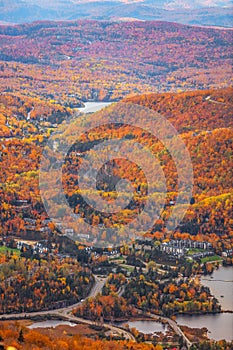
(48, 71)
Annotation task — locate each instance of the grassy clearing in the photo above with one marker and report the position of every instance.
(127, 267)
(4, 250)
(117, 258)
(194, 251)
(211, 258)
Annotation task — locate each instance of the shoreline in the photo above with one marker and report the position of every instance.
(211, 282)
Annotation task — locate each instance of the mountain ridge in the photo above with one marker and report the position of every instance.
(211, 12)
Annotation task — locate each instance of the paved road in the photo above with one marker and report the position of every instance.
(66, 312)
(114, 329)
(99, 283)
(97, 288)
(173, 325)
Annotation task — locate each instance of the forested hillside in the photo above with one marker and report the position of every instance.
(116, 183)
(69, 61)
(205, 124)
(215, 12)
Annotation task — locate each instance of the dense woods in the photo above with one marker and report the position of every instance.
(37, 340)
(28, 285)
(79, 60)
(170, 297)
(200, 111)
(47, 71)
(165, 295)
(209, 141)
(205, 122)
(205, 125)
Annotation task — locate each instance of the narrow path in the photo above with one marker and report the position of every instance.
(29, 113)
(208, 98)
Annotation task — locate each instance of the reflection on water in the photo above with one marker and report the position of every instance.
(51, 324)
(220, 326)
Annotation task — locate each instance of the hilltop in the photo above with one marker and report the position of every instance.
(91, 60)
(203, 119)
(217, 13)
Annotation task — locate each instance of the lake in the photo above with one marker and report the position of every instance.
(221, 284)
(220, 326)
(148, 327)
(91, 107)
(51, 324)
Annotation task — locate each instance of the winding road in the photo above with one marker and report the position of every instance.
(174, 326)
(66, 313)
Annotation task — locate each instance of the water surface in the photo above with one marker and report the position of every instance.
(148, 327)
(220, 326)
(91, 107)
(51, 324)
(221, 286)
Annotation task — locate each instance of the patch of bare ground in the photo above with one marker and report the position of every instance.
(195, 334)
(68, 331)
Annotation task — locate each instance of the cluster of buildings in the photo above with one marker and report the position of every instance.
(37, 247)
(112, 253)
(179, 248)
(227, 253)
(31, 225)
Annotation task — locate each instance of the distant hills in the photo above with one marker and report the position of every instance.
(196, 12)
(105, 61)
